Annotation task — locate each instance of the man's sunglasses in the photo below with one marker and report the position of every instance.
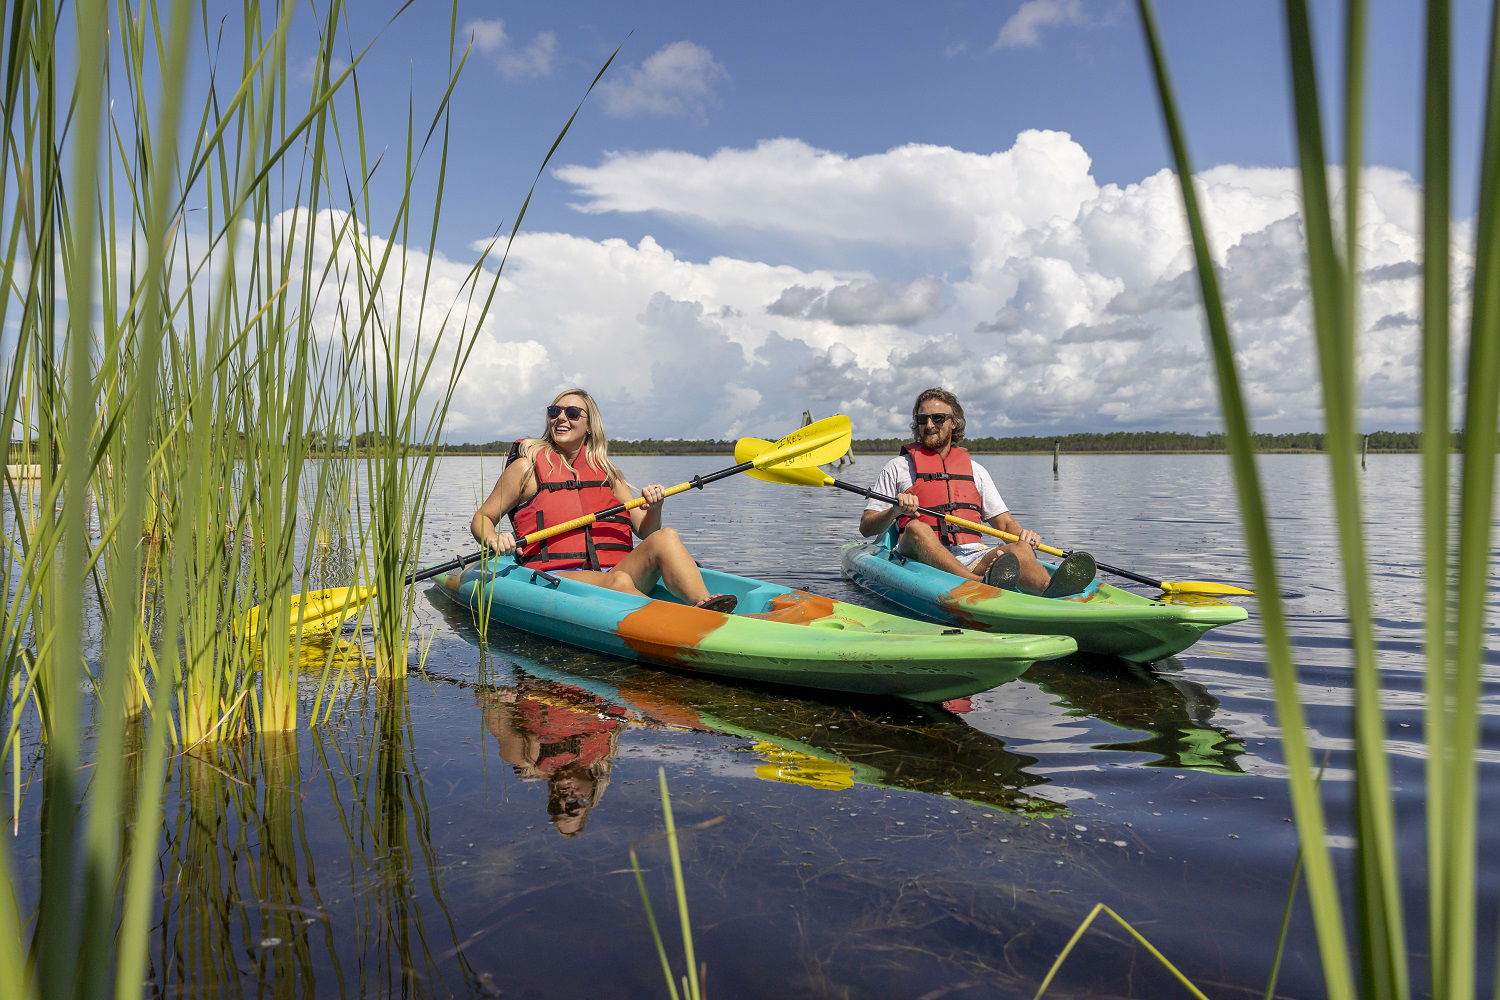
(573, 412)
(938, 418)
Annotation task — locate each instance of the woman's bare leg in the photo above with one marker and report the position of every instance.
(660, 556)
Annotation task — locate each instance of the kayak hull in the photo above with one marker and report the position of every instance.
(1103, 619)
(777, 635)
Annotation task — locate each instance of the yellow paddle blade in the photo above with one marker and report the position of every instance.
(747, 449)
(794, 767)
(1201, 587)
(329, 609)
(318, 610)
(818, 443)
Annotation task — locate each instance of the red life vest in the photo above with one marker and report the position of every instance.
(567, 735)
(562, 496)
(945, 485)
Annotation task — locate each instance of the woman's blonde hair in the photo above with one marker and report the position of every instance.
(595, 444)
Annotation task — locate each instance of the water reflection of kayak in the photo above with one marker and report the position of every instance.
(1175, 712)
(799, 739)
(1102, 619)
(777, 634)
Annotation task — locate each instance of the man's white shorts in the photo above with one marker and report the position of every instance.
(969, 552)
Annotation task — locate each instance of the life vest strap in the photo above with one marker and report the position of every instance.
(573, 484)
(941, 475)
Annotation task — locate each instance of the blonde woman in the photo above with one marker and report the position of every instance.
(567, 473)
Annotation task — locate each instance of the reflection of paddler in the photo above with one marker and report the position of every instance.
(572, 746)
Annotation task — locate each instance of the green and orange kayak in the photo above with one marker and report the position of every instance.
(1102, 619)
(777, 635)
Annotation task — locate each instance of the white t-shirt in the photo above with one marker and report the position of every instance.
(896, 478)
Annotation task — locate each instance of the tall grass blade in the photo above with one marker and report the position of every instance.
(1141, 939)
(1436, 414)
(1334, 289)
(1475, 520)
(1322, 884)
(59, 920)
(138, 894)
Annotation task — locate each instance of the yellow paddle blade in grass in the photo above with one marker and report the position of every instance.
(319, 611)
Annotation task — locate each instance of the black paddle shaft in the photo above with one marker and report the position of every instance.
(872, 495)
(458, 562)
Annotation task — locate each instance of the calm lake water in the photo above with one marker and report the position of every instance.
(832, 847)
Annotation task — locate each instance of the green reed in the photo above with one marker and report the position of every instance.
(167, 364)
(410, 366)
(691, 980)
(1372, 960)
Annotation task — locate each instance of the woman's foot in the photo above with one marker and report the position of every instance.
(722, 603)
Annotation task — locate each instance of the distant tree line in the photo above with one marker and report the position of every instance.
(1112, 442)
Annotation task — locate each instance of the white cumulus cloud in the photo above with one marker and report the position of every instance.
(678, 80)
(1071, 303)
(1047, 301)
(528, 62)
(1024, 27)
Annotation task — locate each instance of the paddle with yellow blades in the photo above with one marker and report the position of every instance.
(747, 448)
(816, 444)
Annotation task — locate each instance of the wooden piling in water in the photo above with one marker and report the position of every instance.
(847, 458)
(1056, 454)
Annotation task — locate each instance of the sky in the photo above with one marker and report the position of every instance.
(768, 208)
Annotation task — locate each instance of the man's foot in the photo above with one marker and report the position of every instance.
(722, 603)
(1072, 575)
(1004, 572)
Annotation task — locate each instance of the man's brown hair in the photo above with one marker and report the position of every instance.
(942, 396)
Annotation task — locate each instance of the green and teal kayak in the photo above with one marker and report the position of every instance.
(1102, 619)
(777, 635)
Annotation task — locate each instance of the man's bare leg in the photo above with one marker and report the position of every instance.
(1034, 576)
(918, 541)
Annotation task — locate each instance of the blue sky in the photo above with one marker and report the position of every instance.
(783, 206)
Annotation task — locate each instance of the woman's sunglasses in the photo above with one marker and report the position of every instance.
(573, 412)
(938, 418)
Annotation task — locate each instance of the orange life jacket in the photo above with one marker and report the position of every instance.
(945, 485)
(562, 496)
